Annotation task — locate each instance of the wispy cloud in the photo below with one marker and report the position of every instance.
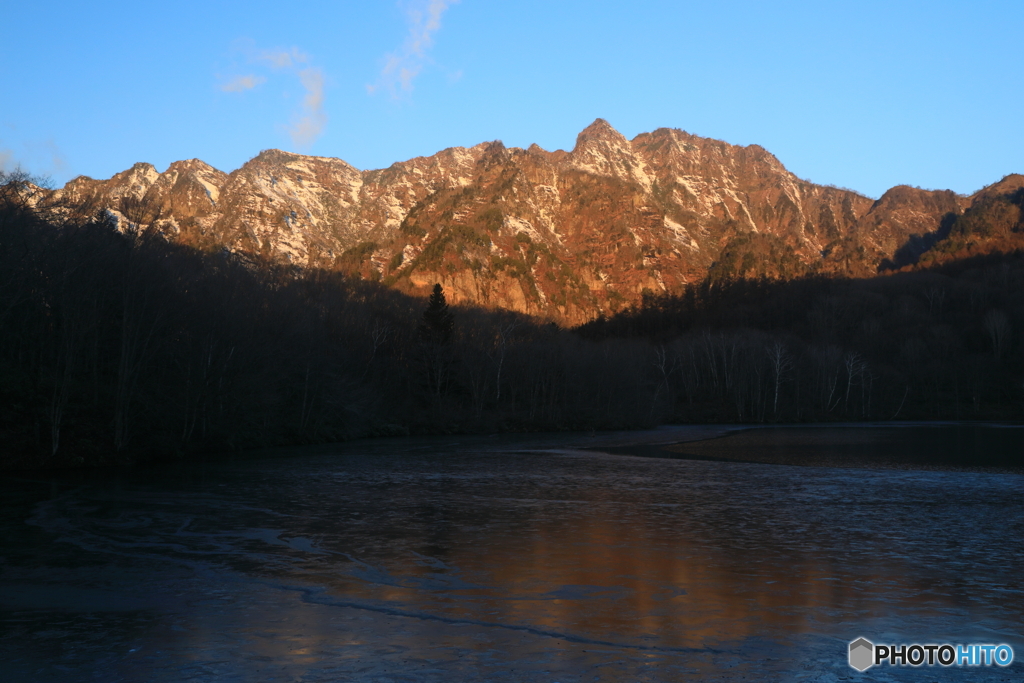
(57, 160)
(402, 66)
(39, 157)
(282, 59)
(310, 120)
(243, 83)
(313, 118)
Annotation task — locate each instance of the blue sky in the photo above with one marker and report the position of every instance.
(863, 94)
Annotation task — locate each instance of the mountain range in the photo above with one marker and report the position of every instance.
(565, 235)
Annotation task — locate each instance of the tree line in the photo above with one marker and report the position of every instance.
(936, 344)
(117, 346)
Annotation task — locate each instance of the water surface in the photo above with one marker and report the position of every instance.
(521, 559)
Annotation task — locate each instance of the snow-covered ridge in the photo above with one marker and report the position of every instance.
(652, 213)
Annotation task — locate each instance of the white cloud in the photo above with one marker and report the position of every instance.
(57, 160)
(282, 59)
(313, 118)
(44, 157)
(310, 119)
(403, 66)
(243, 83)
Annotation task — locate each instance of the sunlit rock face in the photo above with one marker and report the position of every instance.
(567, 235)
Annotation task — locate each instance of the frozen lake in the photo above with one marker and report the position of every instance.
(757, 556)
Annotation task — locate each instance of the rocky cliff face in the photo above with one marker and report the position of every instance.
(566, 235)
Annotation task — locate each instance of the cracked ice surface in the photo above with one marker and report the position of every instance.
(505, 559)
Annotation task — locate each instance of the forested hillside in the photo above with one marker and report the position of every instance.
(942, 343)
(117, 345)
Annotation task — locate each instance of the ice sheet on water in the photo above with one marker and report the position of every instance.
(504, 559)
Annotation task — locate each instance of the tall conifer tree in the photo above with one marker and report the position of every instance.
(438, 322)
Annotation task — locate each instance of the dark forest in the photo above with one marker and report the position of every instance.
(120, 347)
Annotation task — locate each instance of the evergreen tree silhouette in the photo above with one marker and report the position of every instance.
(438, 322)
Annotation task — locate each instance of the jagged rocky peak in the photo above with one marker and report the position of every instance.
(187, 188)
(600, 131)
(276, 183)
(273, 155)
(192, 170)
(389, 194)
(492, 148)
(565, 233)
(140, 170)
(282, 158)
(290, 167)
(77, 185)
(695, 155)
(907, 198)
(604, 151)
(197, 166)
(493, 154)
(135, 181)
(600, 141)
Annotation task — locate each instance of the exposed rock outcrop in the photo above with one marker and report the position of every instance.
(566, 235)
